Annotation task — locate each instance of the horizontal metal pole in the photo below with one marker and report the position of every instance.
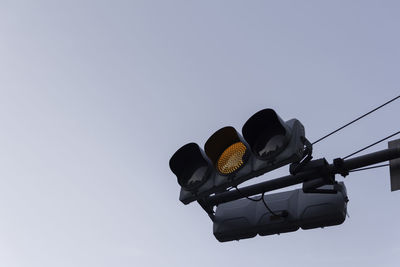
(277, 183)
(370, 159)
(261, 187)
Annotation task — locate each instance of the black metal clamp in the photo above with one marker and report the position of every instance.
(307, 157)
(339, 165)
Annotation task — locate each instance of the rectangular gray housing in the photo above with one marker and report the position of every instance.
(244, 218)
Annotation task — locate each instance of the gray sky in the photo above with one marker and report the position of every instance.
(95, 96)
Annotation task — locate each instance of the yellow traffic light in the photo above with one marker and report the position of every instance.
(232, 158)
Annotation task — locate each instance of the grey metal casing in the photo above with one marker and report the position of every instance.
(253, 168)
(244, 218)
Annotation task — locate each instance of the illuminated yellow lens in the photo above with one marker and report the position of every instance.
(232, 158)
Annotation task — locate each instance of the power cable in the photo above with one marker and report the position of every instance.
(367, 168)
(257, 200)
(284, 214)
(377, 142)
(362, 116)
(249, 198)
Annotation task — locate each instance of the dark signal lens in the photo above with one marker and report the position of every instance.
(266, 134)
(190, 166)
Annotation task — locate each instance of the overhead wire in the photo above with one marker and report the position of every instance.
(368, 168)
(377, 142)
(353, 121)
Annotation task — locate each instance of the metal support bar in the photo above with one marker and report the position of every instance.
(370, 159)
(207, 209)
(346, 165)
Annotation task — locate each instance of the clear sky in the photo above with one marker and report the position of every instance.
(96, 96)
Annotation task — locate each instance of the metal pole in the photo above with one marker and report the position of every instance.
(370, 159)
(346, 165)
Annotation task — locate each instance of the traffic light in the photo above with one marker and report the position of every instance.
(243, 218)
(229, 158)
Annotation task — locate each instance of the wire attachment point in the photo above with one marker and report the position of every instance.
(296, 167)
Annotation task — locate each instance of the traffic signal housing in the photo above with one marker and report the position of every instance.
(191, 166)
(244, 218)
(230, 158)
